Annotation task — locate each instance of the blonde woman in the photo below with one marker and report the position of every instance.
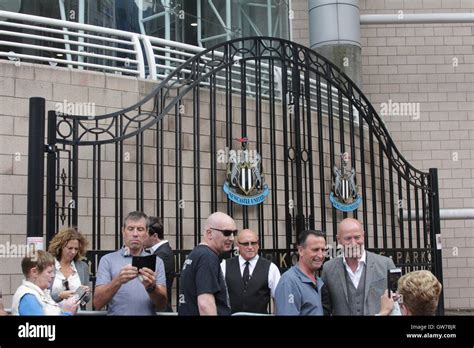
(420, 292)
(68, 248)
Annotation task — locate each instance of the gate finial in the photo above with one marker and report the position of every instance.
(243, 141)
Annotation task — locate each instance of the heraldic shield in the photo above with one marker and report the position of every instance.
(245, 181)
(345, 194)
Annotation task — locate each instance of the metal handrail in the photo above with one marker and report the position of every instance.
(162, 56)
(117, 59)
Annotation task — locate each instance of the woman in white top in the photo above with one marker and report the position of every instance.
(32, 296)
(68, 248)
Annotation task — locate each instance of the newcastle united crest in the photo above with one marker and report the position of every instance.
(345, 194)
(244, 181)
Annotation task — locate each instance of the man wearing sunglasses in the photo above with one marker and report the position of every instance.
(251, 280)
(202, 286)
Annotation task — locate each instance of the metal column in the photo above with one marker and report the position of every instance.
(34, 224)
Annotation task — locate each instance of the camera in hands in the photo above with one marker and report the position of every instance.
(82, 295)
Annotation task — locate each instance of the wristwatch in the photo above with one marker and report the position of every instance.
(151, 288)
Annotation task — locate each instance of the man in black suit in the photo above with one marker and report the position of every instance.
(157, 245)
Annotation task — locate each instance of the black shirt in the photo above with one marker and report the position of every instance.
(201, 274)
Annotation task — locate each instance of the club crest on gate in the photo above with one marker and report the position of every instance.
(244, 183)
(345, 194)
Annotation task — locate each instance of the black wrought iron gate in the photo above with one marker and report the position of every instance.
(167, 156)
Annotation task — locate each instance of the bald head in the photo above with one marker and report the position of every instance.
(247, 242)
(219, 232)
(246, 233)
(350, 234)
(349, 224)
(219, 220)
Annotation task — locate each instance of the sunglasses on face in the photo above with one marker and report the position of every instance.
(226, 233)
(247, 244)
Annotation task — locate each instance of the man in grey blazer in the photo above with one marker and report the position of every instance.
(356, 280)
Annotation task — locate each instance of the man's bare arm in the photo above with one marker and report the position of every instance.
(207, 304)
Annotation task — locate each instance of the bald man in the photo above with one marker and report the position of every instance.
(202, 286)
(251, 280)
(356, 280)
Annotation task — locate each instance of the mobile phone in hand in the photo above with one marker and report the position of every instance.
(148, 261)
(81, 294)
(392, 278)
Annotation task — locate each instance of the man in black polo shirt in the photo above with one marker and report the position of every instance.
(251, 280)
(202, 285)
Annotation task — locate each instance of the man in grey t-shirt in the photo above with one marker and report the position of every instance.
(125, 289)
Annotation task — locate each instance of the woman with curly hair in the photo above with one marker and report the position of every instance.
(68, 248)
(420, 291)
